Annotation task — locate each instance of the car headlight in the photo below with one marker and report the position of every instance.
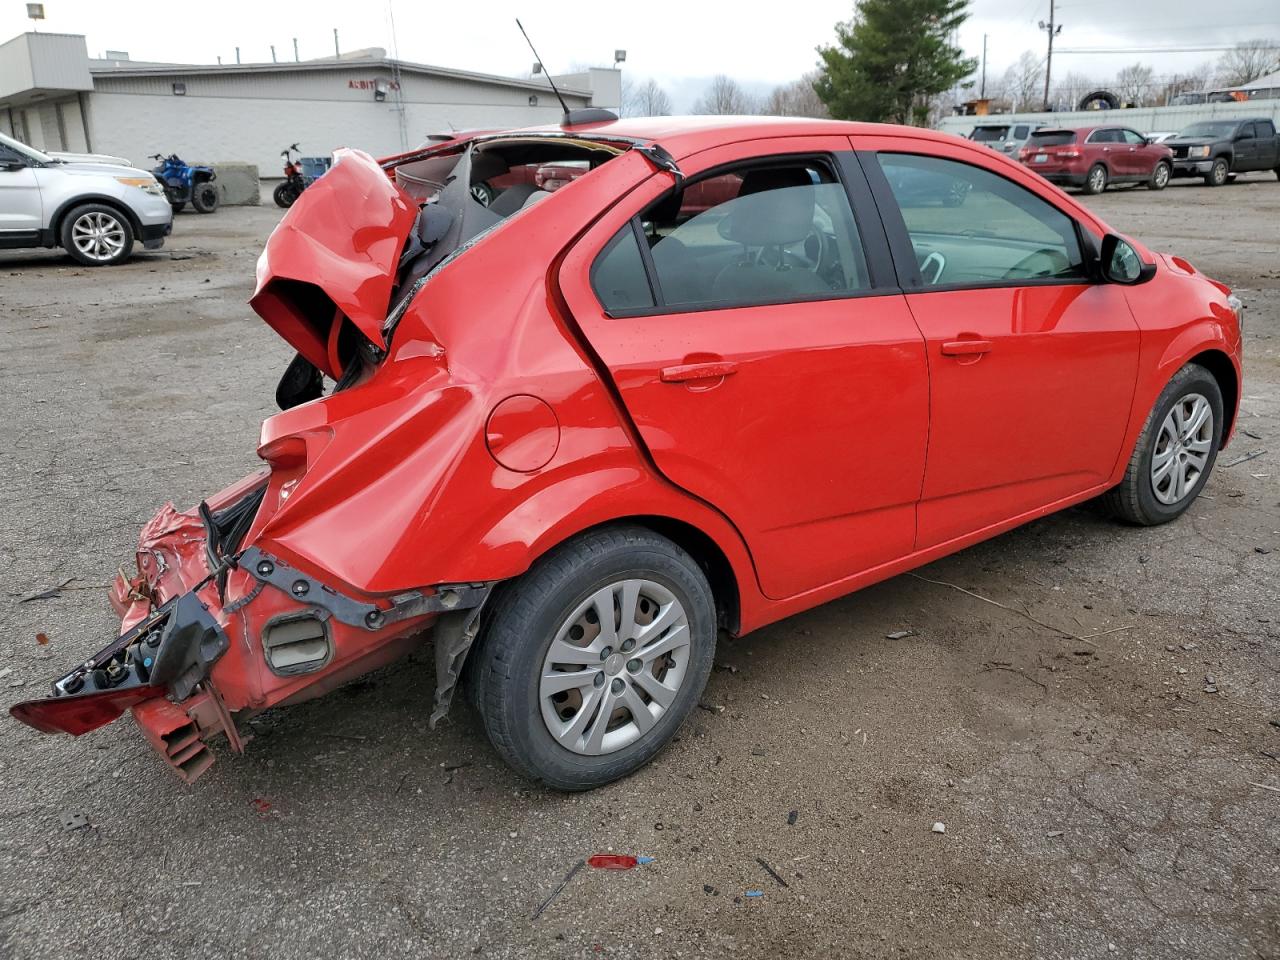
(146, 184)
(1198, 152)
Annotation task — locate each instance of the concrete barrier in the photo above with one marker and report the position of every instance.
(238, 184)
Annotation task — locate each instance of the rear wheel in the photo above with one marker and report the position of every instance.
(97, 235)
(594, 658)
(1218, 173)
(1096, 181)
(284, 195)
(1175, 452)
(205, 197)
(1160, 176)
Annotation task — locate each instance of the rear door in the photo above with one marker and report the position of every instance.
(1246, 149)
(755, 333)
(1032, 363)
(1268, 147)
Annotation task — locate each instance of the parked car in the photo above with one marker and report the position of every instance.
(572, 442)
(1092, 158)
(1217, 149)
(94, 211)
(1006, 135)
(1161, 136)
(89, 158)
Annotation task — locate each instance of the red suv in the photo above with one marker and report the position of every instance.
(1093, 157)
(737, 368)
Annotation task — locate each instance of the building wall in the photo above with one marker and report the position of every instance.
(250, 117)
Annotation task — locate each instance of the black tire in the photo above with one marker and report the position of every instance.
(205, 197)
(1134, 499)
(78, 218)
(177, 207)
(1096, 180)
(1160, 176)
(1219, 173)
(284, 195)
(505, 667)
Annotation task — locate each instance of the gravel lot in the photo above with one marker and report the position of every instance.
(1098, 801)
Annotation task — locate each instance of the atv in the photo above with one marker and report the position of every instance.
(183, 182)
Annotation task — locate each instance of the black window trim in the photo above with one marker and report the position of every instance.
(904, 258)
(881, 276)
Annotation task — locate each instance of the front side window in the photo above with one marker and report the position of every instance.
(776, 233)
(1133, 138)
(969, 226)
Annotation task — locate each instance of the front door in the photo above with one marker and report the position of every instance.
(765, 354)
(20, 210)
(1032, 365)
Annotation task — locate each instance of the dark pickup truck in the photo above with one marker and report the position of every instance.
(1216, 149)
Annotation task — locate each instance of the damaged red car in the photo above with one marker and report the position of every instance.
(571, 441)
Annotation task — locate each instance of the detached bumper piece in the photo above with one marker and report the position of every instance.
(168, 652)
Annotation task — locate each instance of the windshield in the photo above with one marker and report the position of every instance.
(988, 134)
(29, 152)
(1219, 128)
(1051, 138)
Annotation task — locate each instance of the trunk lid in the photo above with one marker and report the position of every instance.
(334, 255)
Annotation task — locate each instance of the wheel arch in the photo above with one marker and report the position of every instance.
(60, 215)
(1224, 372)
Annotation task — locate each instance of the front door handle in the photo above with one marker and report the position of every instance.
(684, 372)
(965, 348)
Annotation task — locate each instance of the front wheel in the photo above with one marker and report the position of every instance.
(284, 195)
(1097, 179)
(1175, 452)
(205, 197)
(1218, 173)
(97, 235)
(177, 207)
(594, 658)
(1160, 176)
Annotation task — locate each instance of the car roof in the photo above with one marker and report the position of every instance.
(682, 136)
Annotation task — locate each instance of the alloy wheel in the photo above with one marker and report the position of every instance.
(97, 235)
(1182, 449)
(1097, 180)
(614, 667)
(1162, 175)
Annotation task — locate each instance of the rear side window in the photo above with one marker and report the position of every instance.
(618, 275)
(1020, 133)
(971, 227)
(775, 233)
(1105, 136)
(1051, 138)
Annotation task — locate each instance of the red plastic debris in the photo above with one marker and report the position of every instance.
(616, 861)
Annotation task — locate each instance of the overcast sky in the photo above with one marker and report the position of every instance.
(758, 43)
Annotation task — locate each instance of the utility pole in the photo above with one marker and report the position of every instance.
(273, 53)
(1053, 29)
(982, 90)
(295, 49)
(335, 43)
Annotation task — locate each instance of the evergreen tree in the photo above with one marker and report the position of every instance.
(891, 57)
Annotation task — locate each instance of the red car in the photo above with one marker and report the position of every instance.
(571, 443)
(1094, 157)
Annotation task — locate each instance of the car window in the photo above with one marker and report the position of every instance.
(988, 134)
(1105, 136)
(1051, 138)
(779, 232)
(1133, 138)
(618, 275)
(974, 227)
(1264, 128)
(1020, 133)
(1246, 130)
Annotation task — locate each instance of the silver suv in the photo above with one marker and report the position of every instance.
(94, 211)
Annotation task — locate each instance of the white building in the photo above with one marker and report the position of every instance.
(53, 96)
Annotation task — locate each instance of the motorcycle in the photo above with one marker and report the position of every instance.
(183, 182)
(294, 183)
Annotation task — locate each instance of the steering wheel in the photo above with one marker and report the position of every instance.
(1050, 262)
(936, 263)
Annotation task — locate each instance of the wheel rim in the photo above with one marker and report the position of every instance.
(1097, 179)
(99, 236)
(1162, 175)
(1220, 172)
(1182, 449)
(614, 667)
(480, 194)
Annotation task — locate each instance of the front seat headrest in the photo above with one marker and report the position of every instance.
(773, 206)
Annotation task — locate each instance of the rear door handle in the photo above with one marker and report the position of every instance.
(965, 348)
(684, 372)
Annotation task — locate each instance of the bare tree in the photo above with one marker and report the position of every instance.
(1071, 89)
(724, 96)
(795, 99)
(649, 100)
(1023, 80)
(1249, 60)
(1193, 81)
(1133, 83)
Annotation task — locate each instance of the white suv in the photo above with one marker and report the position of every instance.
(94, 211)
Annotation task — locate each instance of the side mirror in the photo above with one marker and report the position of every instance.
(1121, 263)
